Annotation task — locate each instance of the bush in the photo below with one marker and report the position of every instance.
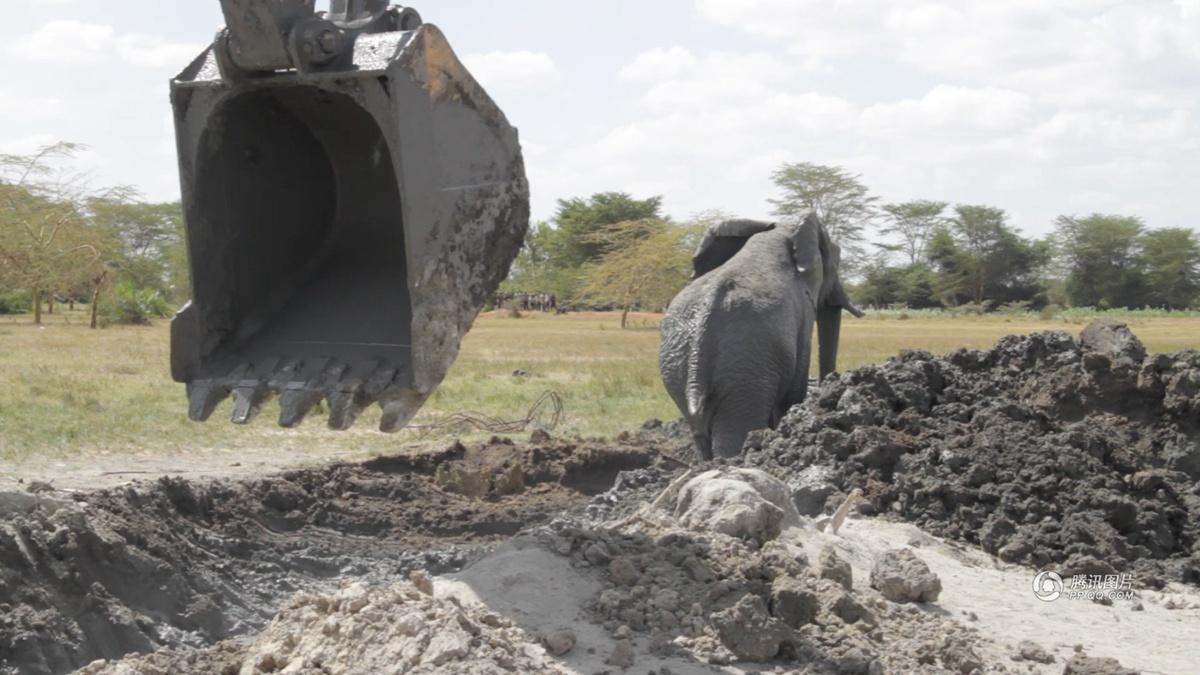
(15, 302)
(132, 306)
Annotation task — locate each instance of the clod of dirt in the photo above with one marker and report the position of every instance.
(1044, 450)
(831, 566)
(560, 642)
(903, 577)
(1027, 650)
(1091, 665)
(749, 631)
(743, 503)
(185, 564)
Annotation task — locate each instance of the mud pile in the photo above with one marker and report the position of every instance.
(1081, 456)
(179, 563)
(399, 628)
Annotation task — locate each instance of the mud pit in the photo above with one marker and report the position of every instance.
(176, 563)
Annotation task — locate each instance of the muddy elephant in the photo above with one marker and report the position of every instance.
(737, 342)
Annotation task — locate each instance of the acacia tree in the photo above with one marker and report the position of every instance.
(838, 197)
(150, 240)
(1101, 253)
(1171, 260)
(913, 223)
(980, 257)
(46, 244)
(648, 262)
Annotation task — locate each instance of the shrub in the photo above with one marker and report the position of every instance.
(130, 305)
(15, 302)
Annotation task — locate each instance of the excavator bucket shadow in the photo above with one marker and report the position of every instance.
(347, 218)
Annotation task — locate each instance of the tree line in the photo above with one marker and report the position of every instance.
(63, 241)
(612, 250)
(930, 254)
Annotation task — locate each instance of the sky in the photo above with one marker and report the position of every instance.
(1040, 107)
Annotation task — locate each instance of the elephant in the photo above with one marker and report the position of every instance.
(737, 341)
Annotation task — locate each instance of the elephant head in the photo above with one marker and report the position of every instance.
(817, 261)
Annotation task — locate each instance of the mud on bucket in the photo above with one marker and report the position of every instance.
(347, 217)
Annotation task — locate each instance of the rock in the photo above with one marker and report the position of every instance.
(422, 580)
(622, 572)
(1114, 340)
(831, 566)
(903, 577)
(742, 503)
(697, 570)
(961, 657)
(747, 630)
(792, 602)
(622, 655)
(1028, 650)
(1183, 454)
(1094, 665)
(811, 488)
(847, 608)
(560, 642)
(446, 645)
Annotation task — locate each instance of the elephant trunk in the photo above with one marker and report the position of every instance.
(829, 329)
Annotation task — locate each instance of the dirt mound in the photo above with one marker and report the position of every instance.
(400, 628)
(1077, 455)
(177, 563)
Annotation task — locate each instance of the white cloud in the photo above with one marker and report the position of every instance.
(514, 70)
(77, 42)
(948, 108)
(659, 64)
(19, 107)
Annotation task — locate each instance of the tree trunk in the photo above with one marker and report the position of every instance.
(624, 317)
(96, 297)
(37, 307)
(49, 303)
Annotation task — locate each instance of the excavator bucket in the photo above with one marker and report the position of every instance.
(352, 198)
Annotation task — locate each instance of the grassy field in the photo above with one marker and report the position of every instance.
(65, 389)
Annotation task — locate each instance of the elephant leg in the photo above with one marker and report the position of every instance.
(732, 424)
(704, 445)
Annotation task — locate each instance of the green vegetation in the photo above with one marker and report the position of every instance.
(66, 391)
(62, 241)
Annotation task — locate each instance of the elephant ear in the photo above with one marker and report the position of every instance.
(833, 293)
(723, 241)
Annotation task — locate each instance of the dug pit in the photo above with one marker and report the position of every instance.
(174, 563)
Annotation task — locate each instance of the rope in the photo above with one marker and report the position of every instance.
(549, 404)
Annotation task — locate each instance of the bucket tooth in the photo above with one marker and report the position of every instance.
(248, 400)
(381, 378)
(344, 408)
(399, 407)
(294, 406)
(286, 375)
(203, 398)
(297, 398)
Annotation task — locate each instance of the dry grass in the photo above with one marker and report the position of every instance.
(66, 390)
